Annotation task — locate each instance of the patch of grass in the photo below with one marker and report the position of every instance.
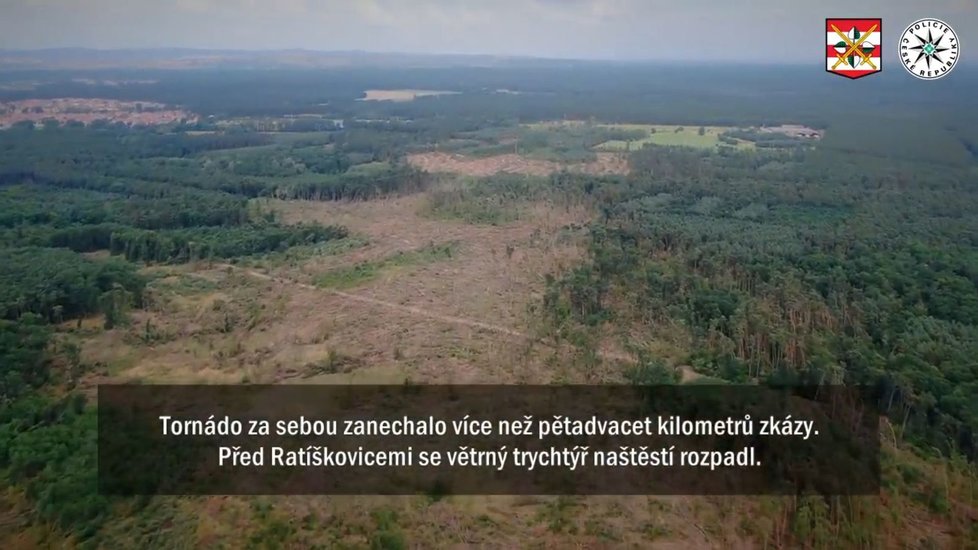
(388, 534)
(471, 208)
(596, 528)
(339, 246)
(494, 200)
(349, 277)
(370, 168)
(302, 253)
(182, 284)
(703, 137)
(558, 514)
(333, 363)
(654, 531)
(428, 254)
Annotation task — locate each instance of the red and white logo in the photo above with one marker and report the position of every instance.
(853, 47)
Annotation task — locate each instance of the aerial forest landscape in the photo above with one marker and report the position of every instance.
(300, 217)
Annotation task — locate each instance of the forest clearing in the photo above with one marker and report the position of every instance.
(481, 238)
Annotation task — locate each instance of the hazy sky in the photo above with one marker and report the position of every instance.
(754, 30)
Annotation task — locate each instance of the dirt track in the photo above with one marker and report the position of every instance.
(687, 372)
(390, 305)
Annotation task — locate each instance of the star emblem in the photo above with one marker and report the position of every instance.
(929, 48)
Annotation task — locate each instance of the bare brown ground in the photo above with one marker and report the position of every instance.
(462, 319)
(402, 95)
(497, 268)
(606, 163)
(459, 320)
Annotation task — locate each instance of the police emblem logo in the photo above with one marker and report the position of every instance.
(853, 47)
(929, 49)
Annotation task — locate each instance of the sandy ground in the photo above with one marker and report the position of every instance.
(401, 95)
(607, 163)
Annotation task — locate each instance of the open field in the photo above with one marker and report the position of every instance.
(402, 95)
(606, 163)
(347, 277)
(677, 136)
(655, 134)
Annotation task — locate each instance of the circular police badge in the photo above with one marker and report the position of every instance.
(929, 49)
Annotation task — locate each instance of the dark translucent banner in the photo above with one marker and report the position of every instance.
(487, 439)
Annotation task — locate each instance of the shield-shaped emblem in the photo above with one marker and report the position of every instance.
(853, 47)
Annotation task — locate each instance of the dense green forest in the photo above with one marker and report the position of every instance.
(144, 196)
(125, 161)
(626, 92)
(801, 266)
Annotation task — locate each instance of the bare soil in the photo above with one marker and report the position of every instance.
(794, 130)
(402, 95)
(459, 320)
(606, 163)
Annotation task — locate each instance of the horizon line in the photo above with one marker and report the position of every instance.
(357, 51)
(4, 66)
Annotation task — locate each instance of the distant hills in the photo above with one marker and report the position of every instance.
(182, 58)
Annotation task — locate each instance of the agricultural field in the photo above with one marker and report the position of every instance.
(402, 95)
(483, 240)
(704, 137)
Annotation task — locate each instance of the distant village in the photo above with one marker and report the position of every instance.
(87, 111)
